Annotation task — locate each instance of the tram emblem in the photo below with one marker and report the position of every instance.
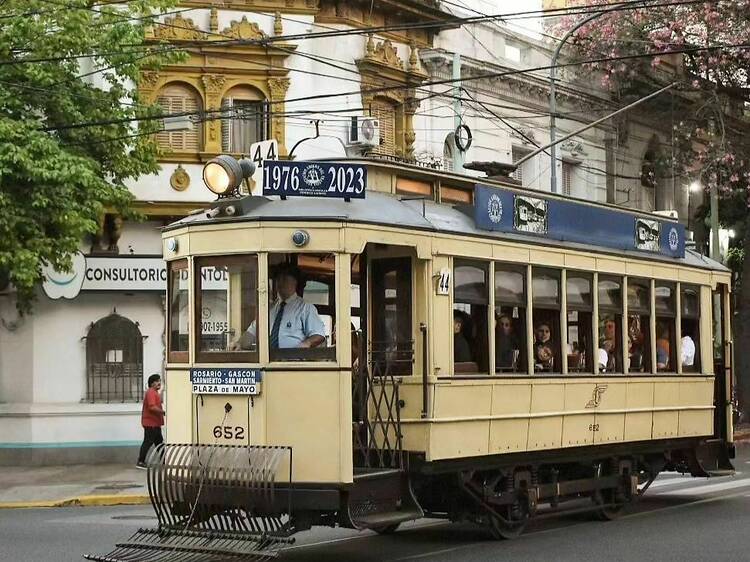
(495, 208)
(530, 215)
(674, 239)
(596, 396)
(313, 175)
(647, 234)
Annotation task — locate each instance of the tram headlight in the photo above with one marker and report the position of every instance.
(224, 174)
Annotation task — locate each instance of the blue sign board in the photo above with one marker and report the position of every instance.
(314, 179)
(226, 380)
(505, 211)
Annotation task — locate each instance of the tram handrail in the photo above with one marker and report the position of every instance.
(425, 388)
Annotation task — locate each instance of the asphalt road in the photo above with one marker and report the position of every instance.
(680, 518)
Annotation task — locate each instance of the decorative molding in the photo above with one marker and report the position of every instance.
(243, 29)
(384, 53)
(180, 179)
(278, 24)
(176, 28)
(290, 6)
(278, 87)
(213, 84)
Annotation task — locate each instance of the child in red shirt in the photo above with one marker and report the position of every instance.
(152, 418)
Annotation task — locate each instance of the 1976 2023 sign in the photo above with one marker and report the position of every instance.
(314, 179)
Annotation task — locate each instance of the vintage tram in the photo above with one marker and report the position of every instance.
(490, 353)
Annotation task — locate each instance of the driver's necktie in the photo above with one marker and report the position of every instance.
(276, 326)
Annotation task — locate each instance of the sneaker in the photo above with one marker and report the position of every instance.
(141, 465)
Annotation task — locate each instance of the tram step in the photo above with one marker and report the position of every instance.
(711, 458)
(381, 498)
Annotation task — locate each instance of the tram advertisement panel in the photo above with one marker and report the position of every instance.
(314, 179)
(226, 381)
(505, 211)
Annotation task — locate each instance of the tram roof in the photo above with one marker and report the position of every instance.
(404, 212)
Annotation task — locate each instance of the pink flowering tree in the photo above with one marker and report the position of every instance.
(712, 137)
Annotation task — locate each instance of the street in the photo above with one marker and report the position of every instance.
(680, 518)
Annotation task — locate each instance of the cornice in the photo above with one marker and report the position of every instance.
(309, 7)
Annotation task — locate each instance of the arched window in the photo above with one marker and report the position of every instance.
(245, 119)
(385, 112)
(114, 360)
(180, 98)
(448, 149)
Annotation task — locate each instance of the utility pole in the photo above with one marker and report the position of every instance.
(458, 156)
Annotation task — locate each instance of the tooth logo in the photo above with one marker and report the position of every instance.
(58, 284)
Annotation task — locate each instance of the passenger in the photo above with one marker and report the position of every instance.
(662, 347)
(609, 343)
(687, 353)
(635, 343)
(544, 347)
(293, 323)
(461, 348)
(506, 346)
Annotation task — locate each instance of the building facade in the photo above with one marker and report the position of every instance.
(295, 71)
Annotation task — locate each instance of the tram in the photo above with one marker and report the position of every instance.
(488, 353)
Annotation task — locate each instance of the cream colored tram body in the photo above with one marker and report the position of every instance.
(394, 418)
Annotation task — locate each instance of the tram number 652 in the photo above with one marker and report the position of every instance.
(593, 427)
(229, 432)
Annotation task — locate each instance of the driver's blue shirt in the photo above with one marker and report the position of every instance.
(299, 321)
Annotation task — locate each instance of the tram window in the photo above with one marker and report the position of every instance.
(639, 325)
(579, 313)
(510, 319)
(609, 353)
(227, 298)
(690, 328)
(665, 327)
(470, 311)
(301, 307)
(545, 292)
(179, 324)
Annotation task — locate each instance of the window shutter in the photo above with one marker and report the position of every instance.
(385, 113)
(226, 124)
(179, 100)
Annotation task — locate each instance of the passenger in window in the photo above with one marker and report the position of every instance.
(461, 348)
(506, 345)
(662, 347)
(292, 322)
(544, 347)
(609, 343)
(687, 354)
(636, 339)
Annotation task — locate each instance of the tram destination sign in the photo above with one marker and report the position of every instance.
(504, 210)
(314, 179)
(226, 380)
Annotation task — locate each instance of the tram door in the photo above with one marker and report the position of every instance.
(387, 348)
(722, 361)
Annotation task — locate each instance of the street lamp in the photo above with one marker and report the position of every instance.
(224, 174)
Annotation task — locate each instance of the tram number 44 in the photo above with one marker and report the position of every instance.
(444, 282)
(229, 432)
(593, 427)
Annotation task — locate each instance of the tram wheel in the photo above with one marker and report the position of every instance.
(611, 505)
(387, 529)
(506, 528)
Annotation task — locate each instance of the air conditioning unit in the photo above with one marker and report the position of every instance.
(671, 213)
(364, 132)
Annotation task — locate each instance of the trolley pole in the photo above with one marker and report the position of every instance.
(458, 156)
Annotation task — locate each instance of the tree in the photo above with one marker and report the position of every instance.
(711, 139)
(72, 129)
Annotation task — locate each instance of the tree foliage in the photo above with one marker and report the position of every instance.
(70, 128)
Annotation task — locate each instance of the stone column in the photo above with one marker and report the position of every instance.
(213, 88)
(278, 88)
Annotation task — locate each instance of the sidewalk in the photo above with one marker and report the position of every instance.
(84, 485)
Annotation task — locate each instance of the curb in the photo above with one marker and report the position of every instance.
(82, 501)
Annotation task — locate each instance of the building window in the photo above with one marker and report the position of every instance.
(470, 307)
(245, 119)
(385, 112)
(516, 154)
(114, 360)
(178, 334)
(609, 354)
(664, 297)
(639, 325)
(226, 305)
(580, 308)
(176, 99)
(456, 195)
(690, 308)
(406, 186)
(568, 171)
(545, 293)
(448, 149)
(510, 319)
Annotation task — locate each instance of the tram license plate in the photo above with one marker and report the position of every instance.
(226, 380)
